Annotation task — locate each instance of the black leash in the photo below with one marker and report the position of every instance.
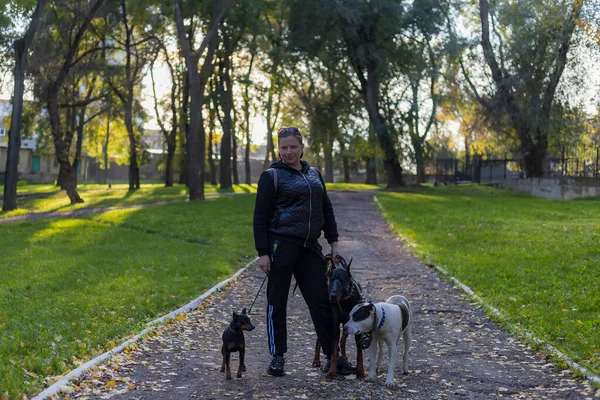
(259, 289)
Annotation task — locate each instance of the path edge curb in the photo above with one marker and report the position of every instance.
(518, 330)
(57, 386)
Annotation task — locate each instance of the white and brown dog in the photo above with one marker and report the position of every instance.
(386, 321)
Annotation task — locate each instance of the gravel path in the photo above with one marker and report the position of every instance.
(457, 352)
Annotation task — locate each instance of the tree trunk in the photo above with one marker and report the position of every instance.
(170, 161)
(11, 177)
(185, 128)
(329, 161)
(371, 168)
(246, 98)
(390, 160)
(345, 160)
(346, 164)
(270, 122)
(234, 170)
(14, 133)
(193, 169)
(127, 98)
(195, 144)
(226, 99)
(134, 179)
(68, 176)
(105, 152)
(62, 144)
(211, 138)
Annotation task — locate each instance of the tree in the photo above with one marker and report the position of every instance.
(170, 130)
(421, 96)
(533, 44)
(195, 136)
(21, 47)
(71, 23)
(246, 110)
(274, 15)
(371, 35)
(131, 37)
(322, 86)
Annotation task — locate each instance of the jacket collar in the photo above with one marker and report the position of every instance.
(282, 165)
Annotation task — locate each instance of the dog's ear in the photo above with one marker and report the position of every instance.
(234, 315)
(350, 263)
(244, 311)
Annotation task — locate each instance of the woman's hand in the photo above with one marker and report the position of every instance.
(264, 262)
(334, 250)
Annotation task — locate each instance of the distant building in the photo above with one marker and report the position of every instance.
(33, 166)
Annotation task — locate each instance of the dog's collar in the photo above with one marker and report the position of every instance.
(375, 326)
(232, 327)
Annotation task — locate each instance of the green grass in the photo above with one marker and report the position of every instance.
(70, 287)
(536, 260)
(45, 198)
(353, 186)
(37, 198)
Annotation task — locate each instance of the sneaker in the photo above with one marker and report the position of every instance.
(276, 367)
(325, 368)
(344, 367)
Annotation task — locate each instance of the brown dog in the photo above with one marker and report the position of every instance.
(233, 340)
(344, 294)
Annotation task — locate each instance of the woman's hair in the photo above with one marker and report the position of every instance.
(290, 131)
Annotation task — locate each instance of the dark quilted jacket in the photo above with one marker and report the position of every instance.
(297, 211)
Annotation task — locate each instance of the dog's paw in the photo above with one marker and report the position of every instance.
(390, 383)
(222, 369)
(239, 375)
(331, 375)
(228, 376)
(371, 377)
(360, 374)
(244, 368)
(316, 363)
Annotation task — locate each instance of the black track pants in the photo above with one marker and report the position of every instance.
(308, 267)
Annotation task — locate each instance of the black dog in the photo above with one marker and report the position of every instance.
(344, 294)
(233, 340)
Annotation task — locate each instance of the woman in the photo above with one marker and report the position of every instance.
(288, 220)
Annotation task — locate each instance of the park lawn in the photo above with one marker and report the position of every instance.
(46, 198)
(536, 260)
(353, 186)
(72, 288)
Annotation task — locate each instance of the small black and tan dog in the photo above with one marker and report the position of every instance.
(344, 293)
(233, 340)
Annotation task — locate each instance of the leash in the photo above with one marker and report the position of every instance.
(257, 293)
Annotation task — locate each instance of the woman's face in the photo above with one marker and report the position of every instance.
(290, 150)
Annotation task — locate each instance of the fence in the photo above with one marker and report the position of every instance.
(571, 161)
(559, 162)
